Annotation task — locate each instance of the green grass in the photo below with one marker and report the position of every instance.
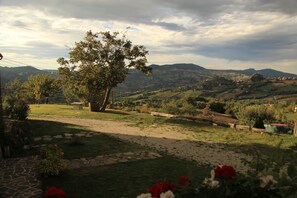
(126, 179)
(65, 110)
(292, 116)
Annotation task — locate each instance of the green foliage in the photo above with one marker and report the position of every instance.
(255, 115)
(281, 166)
(51, 163)
(41, 85)
(188, 109)
(217, 106)
(15, 101)
(99, 63)
(171, 108)
(15, 108)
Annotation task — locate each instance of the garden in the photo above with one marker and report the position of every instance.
(122, 154)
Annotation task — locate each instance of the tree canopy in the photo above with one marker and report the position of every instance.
(99, 63)
(41, 85)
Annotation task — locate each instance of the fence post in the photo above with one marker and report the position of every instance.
(295, 129)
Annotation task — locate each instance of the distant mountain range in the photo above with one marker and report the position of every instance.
(178, 75)
(164, 76)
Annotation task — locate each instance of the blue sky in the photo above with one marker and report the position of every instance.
(217, 34)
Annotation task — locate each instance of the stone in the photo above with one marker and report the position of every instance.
(37, 139)
(58, 136)
(89, 136)
(26, 147)
(47, 138)
(75, 164)
(67, 134)
(80, 135)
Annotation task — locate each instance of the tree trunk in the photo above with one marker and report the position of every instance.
(106, 98)
(94, 106)
(6, 151)
(1, 154)
(295, 129)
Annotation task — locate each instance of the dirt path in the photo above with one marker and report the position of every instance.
(165, 138)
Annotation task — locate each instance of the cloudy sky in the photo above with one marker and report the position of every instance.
(218, 34)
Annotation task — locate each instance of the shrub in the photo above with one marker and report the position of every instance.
(171, 108)
(188, 109)
(51, 163)
(255, 115)
(216, 106)
(17, 134)
(143, 109)
(15, 108)
(224, 182)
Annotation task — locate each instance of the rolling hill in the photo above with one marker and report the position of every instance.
(164, 76)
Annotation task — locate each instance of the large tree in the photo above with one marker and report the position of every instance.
(99, 63)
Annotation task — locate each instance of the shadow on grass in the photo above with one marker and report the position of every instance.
(132, 178)
(40, 128)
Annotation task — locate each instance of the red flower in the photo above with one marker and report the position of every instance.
(226, 172)
(183, 181)
(53, 192)
(159, 188)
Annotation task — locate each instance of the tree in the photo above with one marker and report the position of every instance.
(41, 85)
(255, 115)
(99, 63)
(15, 104)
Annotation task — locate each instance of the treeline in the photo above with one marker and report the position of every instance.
(254, 113)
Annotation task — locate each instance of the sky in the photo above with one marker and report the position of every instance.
(215, 34)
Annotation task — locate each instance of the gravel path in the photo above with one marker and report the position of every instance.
(165, 138)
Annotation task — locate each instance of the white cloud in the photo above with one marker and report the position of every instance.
(213, 33)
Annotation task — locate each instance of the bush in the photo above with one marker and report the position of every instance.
(255, 115)
(200, 104)
(17, 134)
(52, 161)
(171, 108)
(188, 109)
(218, 107)
(15, 108)
(143, 109)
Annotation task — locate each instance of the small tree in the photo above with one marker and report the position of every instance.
(255, 115)
(99, 63)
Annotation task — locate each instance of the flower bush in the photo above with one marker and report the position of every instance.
(54, 192)
(224, 181)
(52, 160)
(160, 187)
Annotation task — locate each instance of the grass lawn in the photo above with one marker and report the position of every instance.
(292, 116)
(120, 180)
(199, 130)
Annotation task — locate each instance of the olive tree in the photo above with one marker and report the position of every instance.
(99, 63)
